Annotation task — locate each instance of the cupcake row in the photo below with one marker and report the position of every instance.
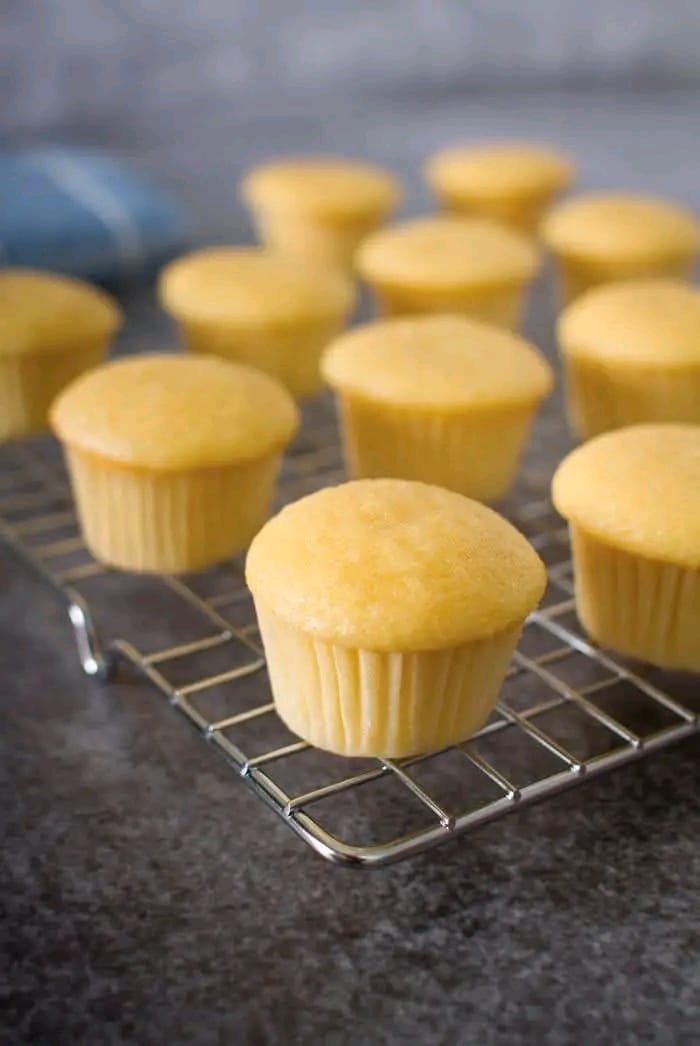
(630, 352)
(331, 210)
(173, 458)
(444, 399)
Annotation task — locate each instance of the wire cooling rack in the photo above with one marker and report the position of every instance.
(567, 710)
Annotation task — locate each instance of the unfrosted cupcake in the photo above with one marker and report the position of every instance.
(389, 611)
(442, 399)
(172, 459)
(51, 329)
(632, 499)
(512, 182)
(631, 354)
(319, 207)
(472, 266)
(254, 307)
(603, 237)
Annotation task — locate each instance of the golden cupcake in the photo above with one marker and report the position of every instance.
(389, 611)
(466, 265)
(632, 499)
(317, 207)
(51, 329)
(511, 182)
(172, 459)
(604, 237)
(443, 399)
(254, 307)
(631, 354)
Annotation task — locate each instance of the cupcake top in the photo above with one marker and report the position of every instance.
(609, 226)
(637, 489)
(247, 285)
(447, 252)
(655, 322)
(499, 169)
(322, 185)
(388, 564)
(45, 312)
(441, 361)
(167, 412)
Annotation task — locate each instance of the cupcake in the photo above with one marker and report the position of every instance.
(172, 459)
(632, 499)
(511, 182)
(389, 611)
(600, 238)
(442, 399)
(631, 354)
(51, 329)
(252, 306)
(320, 208)
(466, 265)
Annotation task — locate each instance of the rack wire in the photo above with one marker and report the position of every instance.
(568, 710)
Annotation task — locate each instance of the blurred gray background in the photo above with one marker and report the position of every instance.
(195, 92)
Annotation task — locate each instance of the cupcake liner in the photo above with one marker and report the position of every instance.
(291, 355)
(575, 275)
(475, 453)
(317, 239)
(502, 305)
(169, 522)
(29, 383)
(601, 396)
(639, 607)
(371, 703)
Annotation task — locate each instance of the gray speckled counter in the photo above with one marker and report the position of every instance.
(148, 898)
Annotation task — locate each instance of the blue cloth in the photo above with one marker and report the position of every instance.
(83, 213)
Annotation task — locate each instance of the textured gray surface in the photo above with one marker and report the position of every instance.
(147, 897)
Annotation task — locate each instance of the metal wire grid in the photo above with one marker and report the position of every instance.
(530, 748)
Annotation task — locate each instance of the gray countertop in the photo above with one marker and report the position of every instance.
(148, 897)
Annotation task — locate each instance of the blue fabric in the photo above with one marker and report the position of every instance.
(83, 213)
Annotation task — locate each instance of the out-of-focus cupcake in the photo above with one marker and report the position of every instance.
(472, 266)
(256, 307)
(389, 611)
(442, 399)
(317, 207)
(512, 182)
(632, 499)
(631, 354)
(173, 459)
(603, 237)
(51, 329)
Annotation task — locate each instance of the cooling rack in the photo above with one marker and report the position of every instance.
(567, 711)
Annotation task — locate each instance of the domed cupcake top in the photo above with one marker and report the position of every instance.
(168, 412)
(247, 285)
(637, 489)
(437, 361)
(498, 169)
(389, 564)
(321, 185)
(44, 312)
(654, 322)
(447, 252)
(612, 225)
